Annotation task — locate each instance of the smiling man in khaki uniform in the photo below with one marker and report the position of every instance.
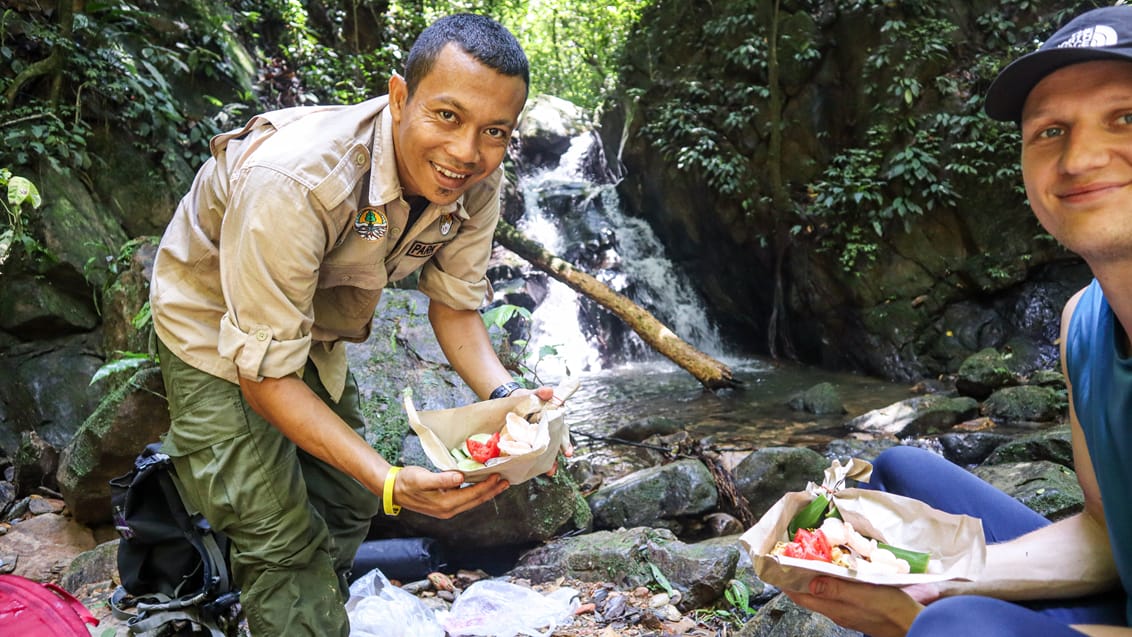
(276, 257)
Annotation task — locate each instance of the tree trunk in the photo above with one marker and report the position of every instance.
(710, 372)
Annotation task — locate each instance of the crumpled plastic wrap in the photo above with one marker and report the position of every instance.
(377, 608)
(493, 608)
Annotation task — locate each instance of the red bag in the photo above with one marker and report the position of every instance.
(31, 609)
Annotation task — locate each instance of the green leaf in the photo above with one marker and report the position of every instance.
(132, 360)
(21, 190)
(661, 580)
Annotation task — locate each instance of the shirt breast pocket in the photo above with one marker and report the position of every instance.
(349, 291)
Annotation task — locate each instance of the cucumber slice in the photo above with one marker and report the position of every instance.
(811, 515)
(468, 464)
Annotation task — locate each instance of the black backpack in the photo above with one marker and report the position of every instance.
(173, 566)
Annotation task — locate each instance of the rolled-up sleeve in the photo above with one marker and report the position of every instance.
(456, 276)
(273, 240)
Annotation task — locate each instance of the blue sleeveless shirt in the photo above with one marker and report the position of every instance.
(1102, 398)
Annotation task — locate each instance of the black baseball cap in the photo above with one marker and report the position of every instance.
(1100, 34)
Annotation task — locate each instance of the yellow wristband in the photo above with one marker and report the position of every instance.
(387, 492)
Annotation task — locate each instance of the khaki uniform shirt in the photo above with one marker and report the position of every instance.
(280, 250)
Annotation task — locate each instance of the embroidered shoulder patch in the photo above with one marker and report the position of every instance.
(421, 250)
(371, 224)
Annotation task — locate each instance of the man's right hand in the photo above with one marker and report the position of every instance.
(440, 494)
(881, 611)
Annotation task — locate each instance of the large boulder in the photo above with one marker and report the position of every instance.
(765, 475)
(657, 496)
(1046, 487)
(46, 388)
(633, 557)
(131, 416)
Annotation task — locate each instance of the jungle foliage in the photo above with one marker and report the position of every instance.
(923, 136)
(165, 75)
(162, 76)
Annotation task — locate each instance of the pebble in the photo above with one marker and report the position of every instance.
(440, 581)
(583, 609)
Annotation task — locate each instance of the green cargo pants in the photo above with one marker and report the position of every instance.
(294, 521)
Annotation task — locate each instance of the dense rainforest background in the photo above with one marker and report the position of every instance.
(821, 169)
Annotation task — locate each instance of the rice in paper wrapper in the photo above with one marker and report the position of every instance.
(443, 429)
(955, 542)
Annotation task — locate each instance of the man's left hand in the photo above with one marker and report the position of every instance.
(545, 394)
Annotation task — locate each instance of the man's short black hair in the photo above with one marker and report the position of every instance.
(481, 37)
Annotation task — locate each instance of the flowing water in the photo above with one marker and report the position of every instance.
(631, 260)
(752, 416)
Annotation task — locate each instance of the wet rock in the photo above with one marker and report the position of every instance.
(822, 399)
(131, 416)
(643, 429)
(1025, 403)
(764, 475)
(983, 372)
(632, 557)
(916, 416)
(1054, 445)
(782, 618)
(968, 449)
(656, 496)
(46, 387)
(861, 446)
(1048, 488)
(545, 131)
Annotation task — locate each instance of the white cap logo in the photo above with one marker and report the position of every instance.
(1100, 35)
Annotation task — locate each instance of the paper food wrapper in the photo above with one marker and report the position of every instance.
(443, 429)
(955, 542)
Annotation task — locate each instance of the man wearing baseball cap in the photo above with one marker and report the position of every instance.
(1072, 99)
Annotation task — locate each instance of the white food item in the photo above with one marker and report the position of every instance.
(513, 447)
(519, 429)
(864, 554)
(882, 562)
(835, 531)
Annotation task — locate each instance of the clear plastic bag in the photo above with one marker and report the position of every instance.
(377, 608)
(493, 608)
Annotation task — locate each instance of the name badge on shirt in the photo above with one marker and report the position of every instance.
(421, 249)
(371, 224)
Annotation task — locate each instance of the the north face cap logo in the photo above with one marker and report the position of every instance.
(1097, 36)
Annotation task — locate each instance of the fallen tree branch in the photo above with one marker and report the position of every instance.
(710, 372)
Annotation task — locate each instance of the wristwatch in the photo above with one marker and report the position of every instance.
(504, 390)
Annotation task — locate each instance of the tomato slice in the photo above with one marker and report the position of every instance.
(809, 545)
(483, 450)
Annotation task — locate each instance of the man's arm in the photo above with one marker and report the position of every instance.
(464, 341)
(289, 405)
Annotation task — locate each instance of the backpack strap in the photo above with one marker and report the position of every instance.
(157, 610)
(200, 536)
(212, 555)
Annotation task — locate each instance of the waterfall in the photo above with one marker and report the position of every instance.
(582, 221)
